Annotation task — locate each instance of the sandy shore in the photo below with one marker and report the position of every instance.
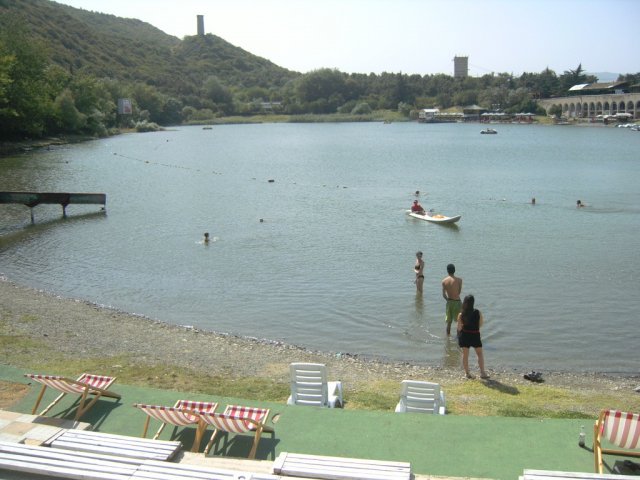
(80, 329)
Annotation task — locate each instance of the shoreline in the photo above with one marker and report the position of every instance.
(78, 329)
(14, 147)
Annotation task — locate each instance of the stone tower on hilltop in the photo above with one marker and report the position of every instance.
(460, 67)
(201, 25)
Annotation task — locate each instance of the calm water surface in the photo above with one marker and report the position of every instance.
(331, 265)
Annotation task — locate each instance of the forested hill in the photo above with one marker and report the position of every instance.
(64, 70)
(125, 49)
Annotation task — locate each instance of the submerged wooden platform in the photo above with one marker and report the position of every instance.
(32, 199)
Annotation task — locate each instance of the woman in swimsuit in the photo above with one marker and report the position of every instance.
(419, 269)
(469, 322)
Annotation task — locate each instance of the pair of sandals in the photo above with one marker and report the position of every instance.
(534, 377)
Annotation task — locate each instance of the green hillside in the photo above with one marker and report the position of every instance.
(64, 70)
(104, 45)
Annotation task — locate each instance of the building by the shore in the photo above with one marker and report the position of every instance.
(597, 101)
(472, 113)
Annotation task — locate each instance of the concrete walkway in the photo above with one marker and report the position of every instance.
(442, 446)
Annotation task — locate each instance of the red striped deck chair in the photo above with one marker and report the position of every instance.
(621, 429)
(180, 415)
(236, 419)
(85, 385)
(191, 405)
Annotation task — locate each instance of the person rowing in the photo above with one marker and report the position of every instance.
(417, 208)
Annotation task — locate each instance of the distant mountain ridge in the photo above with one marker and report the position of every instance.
(605, 77)
(104, 45)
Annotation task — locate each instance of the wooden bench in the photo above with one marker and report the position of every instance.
(338, 468)
(556, 475)
(118, 445)
(65, 464)
(77, 465)
(171, 471)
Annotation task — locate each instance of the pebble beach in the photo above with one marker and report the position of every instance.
(80, 329)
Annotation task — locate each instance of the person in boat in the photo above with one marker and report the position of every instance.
(417, 208)
(469, 322)
(451, 288)
(419, 270)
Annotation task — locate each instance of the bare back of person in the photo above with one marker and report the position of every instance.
(451, 287)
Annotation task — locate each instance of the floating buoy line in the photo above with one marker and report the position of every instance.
(167, 165)
(213, 172)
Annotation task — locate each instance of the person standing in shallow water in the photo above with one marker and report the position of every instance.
(419, 269)
(451, 288)
(469, 322)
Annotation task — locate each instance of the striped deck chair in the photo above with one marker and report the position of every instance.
(191, 405)
(85, 385)
(620, 429)
(236, 419)
(179, 416)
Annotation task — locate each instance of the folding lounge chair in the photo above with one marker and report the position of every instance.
(236, 419)
(178, 416)
(423, 397)
(309, 386)
(85, 385)
(192, 405)
(620, 429)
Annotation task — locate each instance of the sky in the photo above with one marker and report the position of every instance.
(408, 36)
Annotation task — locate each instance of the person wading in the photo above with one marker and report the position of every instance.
(419, 269)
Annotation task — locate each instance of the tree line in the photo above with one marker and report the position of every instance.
(39, 97)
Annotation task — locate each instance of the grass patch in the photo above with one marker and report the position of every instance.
(167, 377)
(477, 398)
(379, 395)
(376, 116)
(19, 349)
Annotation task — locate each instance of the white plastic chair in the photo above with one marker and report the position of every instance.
(309, 386)
(421, 397)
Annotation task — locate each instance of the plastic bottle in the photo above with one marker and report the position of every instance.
(581, 438)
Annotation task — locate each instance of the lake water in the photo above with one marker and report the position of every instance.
(330, 267)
